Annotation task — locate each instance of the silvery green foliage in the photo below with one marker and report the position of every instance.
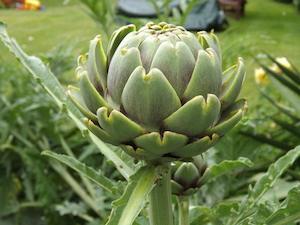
(255, 207)
(158, 92)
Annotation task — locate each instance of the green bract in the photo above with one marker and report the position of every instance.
(187, 176)
(158, 92)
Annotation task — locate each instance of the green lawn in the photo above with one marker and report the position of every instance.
(49, 28)
(268, 25)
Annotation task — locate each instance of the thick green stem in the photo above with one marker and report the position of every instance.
(161, 200)
(183, 207)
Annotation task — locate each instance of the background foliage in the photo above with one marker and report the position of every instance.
(36, 190)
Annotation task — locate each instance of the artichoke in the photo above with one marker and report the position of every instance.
(187, 176)
(158, 92)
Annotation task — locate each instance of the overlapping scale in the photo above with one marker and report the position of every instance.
(158, 92)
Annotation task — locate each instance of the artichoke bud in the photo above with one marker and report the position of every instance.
(158, 92)
(210, 40)
(96, 64)
(116, 39)
(186, 176)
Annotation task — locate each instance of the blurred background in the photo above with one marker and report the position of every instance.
(34, 190)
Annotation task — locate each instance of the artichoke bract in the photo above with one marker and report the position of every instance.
(158, 92)
(187, 176)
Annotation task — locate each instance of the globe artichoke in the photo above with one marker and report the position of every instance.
(158, 92)
(187, 176)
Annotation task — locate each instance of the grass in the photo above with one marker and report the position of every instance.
(39, 32)
(268, 26)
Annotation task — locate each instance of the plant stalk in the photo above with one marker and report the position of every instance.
(161, 200)
(183, 208)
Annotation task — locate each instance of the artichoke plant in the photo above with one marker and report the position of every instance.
(158, 92)
(187, 176)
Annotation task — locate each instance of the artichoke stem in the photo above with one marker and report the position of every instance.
(161, 200)
(183, 208)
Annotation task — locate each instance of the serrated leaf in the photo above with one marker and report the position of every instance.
(289, 212)
(262, 211)
(129, 205)
(280, 190)
(84, 170)
(274, 172)
(77, 188)
(225, 167)
(265, 183)
(201, 215)
(52, 86)
(216, 215)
